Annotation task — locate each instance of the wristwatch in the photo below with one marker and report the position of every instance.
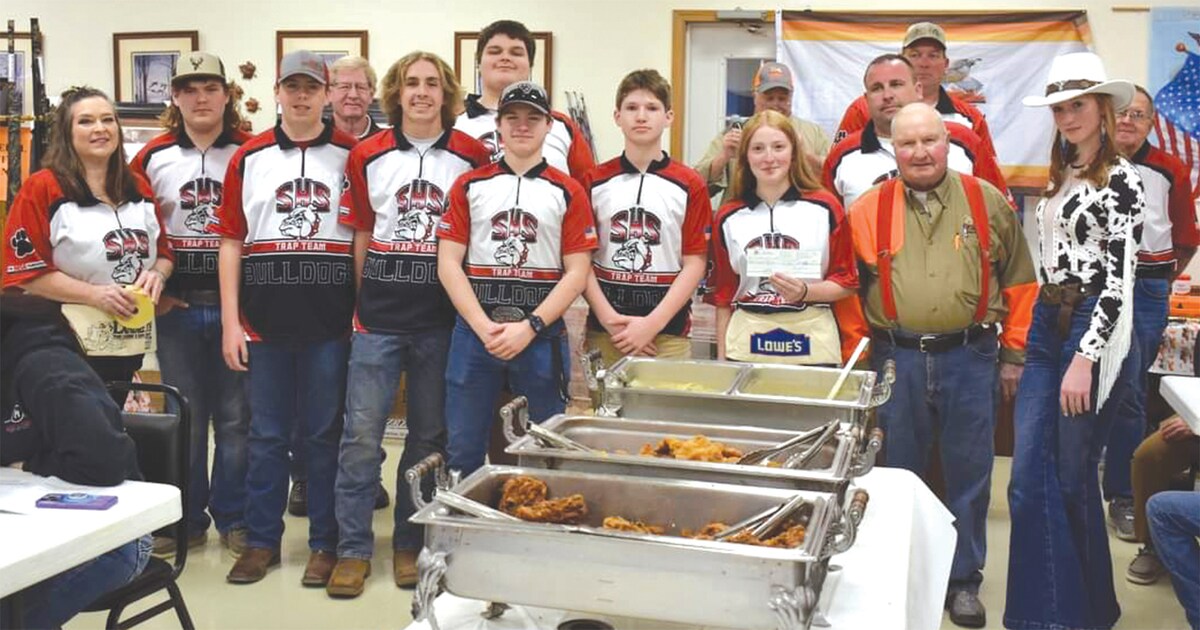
(536, 324)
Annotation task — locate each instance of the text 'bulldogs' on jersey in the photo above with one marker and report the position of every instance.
(647, 222)
(517, 228)
(399, 193)
(87, 240)
(279, 200)
(188, 184)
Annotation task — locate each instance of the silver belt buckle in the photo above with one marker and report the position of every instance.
(507, 314)
(923, 339)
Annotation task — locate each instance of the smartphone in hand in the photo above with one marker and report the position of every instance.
(77, 501)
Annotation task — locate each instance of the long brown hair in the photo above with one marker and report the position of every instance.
(393, 84)
(799, 173)
(172, 119)
(120, 184)
(1063, 153)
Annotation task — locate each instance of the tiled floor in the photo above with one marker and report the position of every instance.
(280, 602)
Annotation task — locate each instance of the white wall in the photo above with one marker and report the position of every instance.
(595, 41)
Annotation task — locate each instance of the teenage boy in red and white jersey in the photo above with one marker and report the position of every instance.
(286, 308)
(185, 166)
(513, 253)
(653, 216)
(504, 55)
(398, 190)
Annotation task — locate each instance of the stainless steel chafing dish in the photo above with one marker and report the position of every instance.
(589, 569)
(615, 442)
(719, 392)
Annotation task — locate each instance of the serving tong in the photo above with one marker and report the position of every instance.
(764, 522)
(815, 439)
(516, 414)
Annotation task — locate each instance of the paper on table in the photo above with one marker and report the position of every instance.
(798, 263)
(19, 491)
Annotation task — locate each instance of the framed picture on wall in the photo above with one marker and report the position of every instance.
(465, 67)
(22, 71)
(329, 45)
(144, 62)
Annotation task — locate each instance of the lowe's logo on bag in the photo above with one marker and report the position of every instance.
(780, 343)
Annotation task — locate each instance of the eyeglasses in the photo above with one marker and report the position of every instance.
(362, 88)
(1134, 115)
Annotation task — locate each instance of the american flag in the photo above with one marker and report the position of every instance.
(1177, 125)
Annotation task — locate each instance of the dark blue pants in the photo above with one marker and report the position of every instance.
(950, 396)
(474, 379)
(189, 354)
(292, 382)
(1059, 566)
(1128, 415)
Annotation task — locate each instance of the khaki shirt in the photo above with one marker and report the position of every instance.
(811, 136)
(935, 264)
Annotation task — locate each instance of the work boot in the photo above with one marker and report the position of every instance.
(1120, 516)
(319, 567)
(404, 567)
(235, 540)
(966, 610)
(1146, 568)
(298, 499)
(348, 578)
(164, 546)
(252, 565)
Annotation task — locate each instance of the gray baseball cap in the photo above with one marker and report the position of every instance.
(525, 93)
(304, 62)
(773, 75)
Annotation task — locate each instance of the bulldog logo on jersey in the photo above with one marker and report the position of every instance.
(127, 246)
(515, 229)
(199, 198)
(419, 204)
(637, 230)
(304, 200)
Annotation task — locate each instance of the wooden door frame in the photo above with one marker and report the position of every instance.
(680, 20)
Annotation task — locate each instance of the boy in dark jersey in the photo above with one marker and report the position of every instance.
(653, 216)
(291, 297)
(513, 253)
(398, 185)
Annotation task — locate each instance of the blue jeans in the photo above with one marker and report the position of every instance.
(950, 396)
(1174, 525)
(474, 379)
(189, 354)
(1059, 567)
(1150, 301)
(293, 382)
(376, 363)
(53, 601)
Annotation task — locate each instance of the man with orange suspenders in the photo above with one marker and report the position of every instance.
(943, 262)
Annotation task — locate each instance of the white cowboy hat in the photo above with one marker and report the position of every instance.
(1075, 74)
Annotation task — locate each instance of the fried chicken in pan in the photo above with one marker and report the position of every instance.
(520, 491)
(698, 449)
(625, 525)
(570, 510)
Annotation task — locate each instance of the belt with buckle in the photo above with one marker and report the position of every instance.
(939, 342)
(1156, 272)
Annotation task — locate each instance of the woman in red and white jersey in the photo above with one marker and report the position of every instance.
(782, 255)
(85, 230)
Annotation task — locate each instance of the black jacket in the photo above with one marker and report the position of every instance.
(56, 415)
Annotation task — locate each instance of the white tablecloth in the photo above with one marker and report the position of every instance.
(894, 577)
(1183, 394)
(40, 542)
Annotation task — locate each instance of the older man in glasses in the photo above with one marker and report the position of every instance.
(1169, 239)
(351, 90)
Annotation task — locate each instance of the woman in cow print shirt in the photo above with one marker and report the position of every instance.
(1078, 355)
(86, 227)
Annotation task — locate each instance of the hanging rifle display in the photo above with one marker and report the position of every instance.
(41, 104)
(13, 109)
(577, 109)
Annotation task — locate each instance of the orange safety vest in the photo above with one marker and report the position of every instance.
(884, 229)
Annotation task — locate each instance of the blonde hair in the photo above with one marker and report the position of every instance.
(393, 84)
(799, 173)
(1063, 153)
(350, 63)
